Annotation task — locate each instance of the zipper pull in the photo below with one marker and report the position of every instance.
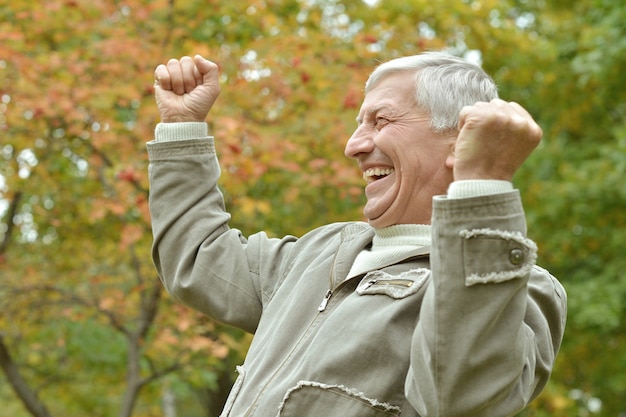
(324, 302)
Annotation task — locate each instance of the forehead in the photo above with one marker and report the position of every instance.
(395, 92)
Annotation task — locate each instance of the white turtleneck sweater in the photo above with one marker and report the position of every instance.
(388, 241)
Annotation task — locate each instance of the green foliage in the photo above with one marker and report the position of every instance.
(82, 307)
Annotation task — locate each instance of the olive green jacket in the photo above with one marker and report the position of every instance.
(467, 327)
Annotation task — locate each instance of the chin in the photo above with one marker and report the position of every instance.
(379, 223)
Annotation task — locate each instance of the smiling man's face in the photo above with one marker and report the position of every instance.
(402, 160)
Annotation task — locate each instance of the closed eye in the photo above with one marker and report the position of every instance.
(381, 122)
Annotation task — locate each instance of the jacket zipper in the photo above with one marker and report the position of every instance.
(329, 293)
(324, 302)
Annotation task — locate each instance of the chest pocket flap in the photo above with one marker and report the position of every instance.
(394, 286)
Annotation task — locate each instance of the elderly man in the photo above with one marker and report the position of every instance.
(434, 307)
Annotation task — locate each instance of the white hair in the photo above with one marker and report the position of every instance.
(444, 84)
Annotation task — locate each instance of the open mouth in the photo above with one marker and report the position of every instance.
(375, 174)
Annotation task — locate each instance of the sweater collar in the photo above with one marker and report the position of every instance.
(406, 235)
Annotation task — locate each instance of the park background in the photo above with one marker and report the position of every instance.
(85, 326)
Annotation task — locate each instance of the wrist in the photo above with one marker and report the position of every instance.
(181, 119)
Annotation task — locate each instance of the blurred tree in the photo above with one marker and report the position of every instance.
(576, 195)
(80, 323)
(85, 326)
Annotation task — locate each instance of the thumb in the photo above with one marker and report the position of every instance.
(209, 70)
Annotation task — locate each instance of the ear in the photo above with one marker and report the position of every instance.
(450, 159)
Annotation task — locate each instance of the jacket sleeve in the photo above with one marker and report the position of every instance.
(200, 260)
(492, 322)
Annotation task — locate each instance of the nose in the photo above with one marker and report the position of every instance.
(360, 142)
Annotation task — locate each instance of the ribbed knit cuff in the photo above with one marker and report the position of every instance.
(168, 132)
(476, 188)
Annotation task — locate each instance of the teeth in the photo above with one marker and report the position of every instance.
(376, 172)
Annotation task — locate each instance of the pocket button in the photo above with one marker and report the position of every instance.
(516, 256)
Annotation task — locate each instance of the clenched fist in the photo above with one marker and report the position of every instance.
(186, 89)
(494, 139)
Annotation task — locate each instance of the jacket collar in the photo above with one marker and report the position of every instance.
(354, 238)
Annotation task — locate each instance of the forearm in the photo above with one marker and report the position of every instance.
(473, 355)
(194, 251)
(181, 174)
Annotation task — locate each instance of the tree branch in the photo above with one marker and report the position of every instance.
(20, 386)
(149, 299)
(10, 225)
